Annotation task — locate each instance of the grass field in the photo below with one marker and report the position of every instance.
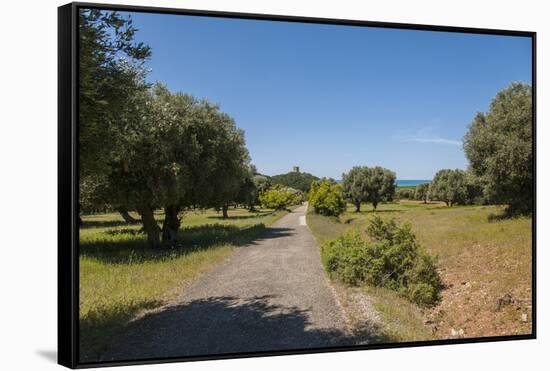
(484, 262)
(120, 277)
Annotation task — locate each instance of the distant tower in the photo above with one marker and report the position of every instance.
(296, 169)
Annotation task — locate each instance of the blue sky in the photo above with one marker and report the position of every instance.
(327, 97)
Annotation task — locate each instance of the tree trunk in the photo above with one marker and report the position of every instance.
(446, 202)
(374, 204)
(150, 227)
(224, 211)
(251, 208)
(171, 224)
(126, 215)
(358, 207)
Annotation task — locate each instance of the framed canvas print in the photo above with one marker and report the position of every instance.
(236, 185)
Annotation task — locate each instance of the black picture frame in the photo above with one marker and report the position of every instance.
(68, 170)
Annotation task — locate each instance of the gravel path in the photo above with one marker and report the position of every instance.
(269, 295)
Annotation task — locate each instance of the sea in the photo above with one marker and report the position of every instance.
(411, 182)
(405, 182)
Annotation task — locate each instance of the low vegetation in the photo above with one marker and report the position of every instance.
(326, 198)
(405, 193)
(121, 276)
(391, 258)
(280, 197)
(484, 262)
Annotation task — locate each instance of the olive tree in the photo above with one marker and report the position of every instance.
(421, 192)
(249, 191)
(498, 145)
(179, 153)
(380, 185)
(354, 186)
(207, 163)
(450, 186)
(111, 73)
(224, 159)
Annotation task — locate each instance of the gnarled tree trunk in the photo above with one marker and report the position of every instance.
(357, 207)
(150, 226)
(126, 215)
(224, 211)
(171, 224)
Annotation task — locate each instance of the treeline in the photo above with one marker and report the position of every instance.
(361, 184)
(295, 179)
(144, 148)
(452, 186)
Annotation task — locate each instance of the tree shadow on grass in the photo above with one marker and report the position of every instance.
(225, 324)
(190, 239)
(371, 211)
(130, 231)
(507, 214)
(254, 214)
(86, 224)
(104, 326)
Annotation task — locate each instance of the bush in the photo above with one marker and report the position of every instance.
(278, 198)
(326, 198)
(391, 258)
(405, 193)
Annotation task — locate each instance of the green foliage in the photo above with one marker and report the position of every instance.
(391, 259)
(422, 192)
(326, 198)
(296, 180)
(449, 186)
(111, 73)
(499, 147)
(143, 147)
(364, 184)
(278, 198)
(354, 186)
(405, 193)
(380, 185)
(175, 152)
(248, 192)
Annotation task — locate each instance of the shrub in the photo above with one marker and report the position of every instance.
(278, 198)
(326, 198)
(391, 258)
(405, 193)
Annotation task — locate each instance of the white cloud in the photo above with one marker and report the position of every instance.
(432, 139)
(425, 135)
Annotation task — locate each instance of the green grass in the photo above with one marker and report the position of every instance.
(401, 320)
(120, 277)
(480, 259)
